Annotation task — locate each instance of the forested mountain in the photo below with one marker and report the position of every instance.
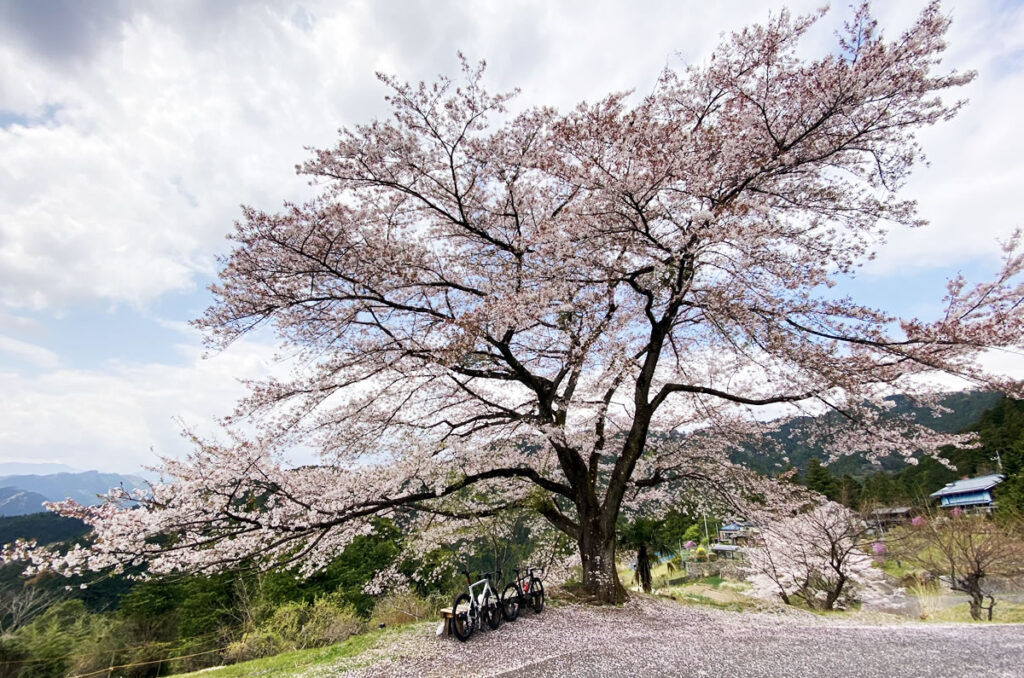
(45, 528)
(789, 445)
(1000, 430)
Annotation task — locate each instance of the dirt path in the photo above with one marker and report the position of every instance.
(660, 638)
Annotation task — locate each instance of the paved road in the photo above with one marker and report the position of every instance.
(651, 638)
(799, 652)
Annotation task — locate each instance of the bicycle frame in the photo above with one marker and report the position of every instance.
(525, 590)
(527, 578)
(477, 600)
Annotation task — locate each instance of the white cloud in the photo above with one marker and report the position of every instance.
(970, 192)
(34, 355)
(148, 125)
(121, 417)
(166, 117)
(163, 119)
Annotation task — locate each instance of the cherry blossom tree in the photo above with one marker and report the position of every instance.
(493, 309)
(819, 555)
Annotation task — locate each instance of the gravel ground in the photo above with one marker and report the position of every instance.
(649, 637)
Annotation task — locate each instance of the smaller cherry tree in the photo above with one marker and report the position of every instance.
(818, 555)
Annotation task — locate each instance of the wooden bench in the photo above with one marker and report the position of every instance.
(446, 622)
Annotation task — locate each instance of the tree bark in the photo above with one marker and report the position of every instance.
(971, 585)
(597, 554)
(976, 602)
(832, 595)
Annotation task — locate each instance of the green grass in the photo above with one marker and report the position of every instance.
(1005, 613)
(289, 663)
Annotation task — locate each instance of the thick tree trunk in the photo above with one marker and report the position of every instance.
(597, 553)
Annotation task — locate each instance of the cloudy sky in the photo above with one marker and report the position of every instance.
(131, 132)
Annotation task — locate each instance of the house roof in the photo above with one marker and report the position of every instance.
(737, 526)
(724, 547)
(969, 485)
(895, 511)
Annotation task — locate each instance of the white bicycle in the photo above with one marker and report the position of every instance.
(470, 610)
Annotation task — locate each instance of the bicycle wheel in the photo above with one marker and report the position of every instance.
(536, 595)
(462, 618)
(510, 602)
(492, 611)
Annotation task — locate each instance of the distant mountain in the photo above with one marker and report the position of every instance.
(82, 487)
(791, 442)
(10, 468)
(17, 502)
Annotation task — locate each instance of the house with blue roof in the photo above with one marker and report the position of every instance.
(969, 494)
(738, 532)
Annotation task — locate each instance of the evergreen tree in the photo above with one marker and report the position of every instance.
(819, 479)
(878, 489)
(849, 492)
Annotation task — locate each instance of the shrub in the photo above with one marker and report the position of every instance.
(260, 643)
(329, 622)
(297, 625)
(396, 609)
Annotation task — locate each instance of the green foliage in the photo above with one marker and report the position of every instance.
(207, 604)
(49, 641)
(297, 625)
(118, 621)
(820, 479)
(292, 663)
(1001, 431)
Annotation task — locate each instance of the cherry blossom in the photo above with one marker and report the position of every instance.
(819, 555)
(576, 313)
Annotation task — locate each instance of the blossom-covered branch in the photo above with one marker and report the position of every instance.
(485, 299)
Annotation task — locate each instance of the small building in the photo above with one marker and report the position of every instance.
(738, 532)
(884, 518)
(969, 494)
(725, 550)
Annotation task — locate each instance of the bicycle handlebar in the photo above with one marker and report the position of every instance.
(485, 575)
